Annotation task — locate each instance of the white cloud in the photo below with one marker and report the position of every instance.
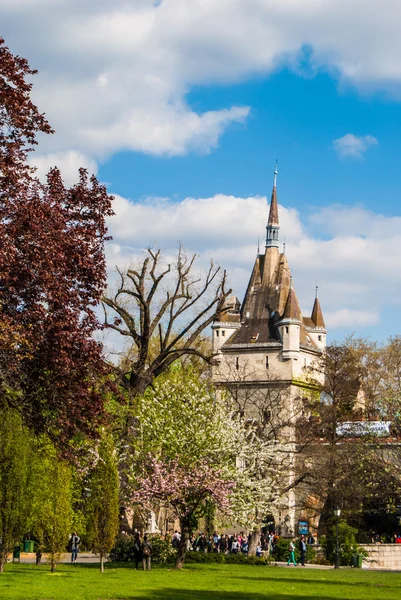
(353, 270)
(69, 162)
(115, 75)
(352, 145)
(352, 319)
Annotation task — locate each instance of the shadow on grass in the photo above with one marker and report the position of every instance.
(188, 594)
(320, 581)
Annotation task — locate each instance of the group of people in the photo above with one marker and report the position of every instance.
(202, 542)
(142, 551)
(239, 544)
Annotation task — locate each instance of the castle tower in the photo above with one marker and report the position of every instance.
(289, 326)
(267, 344)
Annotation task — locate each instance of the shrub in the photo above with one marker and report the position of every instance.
(228, 559)
(348, 546)
(162, 550)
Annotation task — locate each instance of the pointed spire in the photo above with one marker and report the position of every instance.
(273, 214)
(292, 309)
(273, 227)
(317, 314)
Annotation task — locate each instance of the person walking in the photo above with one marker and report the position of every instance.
(302, 549)
(146, 548)
(291, 556)
(137, 549)
(75, 541)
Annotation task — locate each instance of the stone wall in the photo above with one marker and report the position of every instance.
(382, 556)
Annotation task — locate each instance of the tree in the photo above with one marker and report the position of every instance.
(187, 491)
(52, 502)
(166, 306)
(189, 449)
(103, 504)
(272, 413)
(52, 274)
(339, 449)
(15, 481)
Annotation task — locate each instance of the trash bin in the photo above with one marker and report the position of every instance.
(17, 553)
(356, 561)
(29, 546)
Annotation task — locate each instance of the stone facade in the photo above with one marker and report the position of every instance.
(382, 556)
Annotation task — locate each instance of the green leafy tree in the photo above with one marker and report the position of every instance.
(189, 449)
(15, 481)
(52, 504)
(103, 522)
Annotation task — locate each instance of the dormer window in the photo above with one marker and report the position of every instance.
(319, 337)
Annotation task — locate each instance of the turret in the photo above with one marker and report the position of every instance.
(290, 326)
(226, 323)
(317, 330)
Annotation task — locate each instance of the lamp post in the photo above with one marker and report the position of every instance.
(337, 513)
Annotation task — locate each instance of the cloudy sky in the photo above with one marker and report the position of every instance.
(183, 106)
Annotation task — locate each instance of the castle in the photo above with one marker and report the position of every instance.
(263, 347)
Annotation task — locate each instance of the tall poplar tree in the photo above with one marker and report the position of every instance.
(103, 504)
(15, 481)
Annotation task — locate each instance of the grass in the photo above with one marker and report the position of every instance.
(202, 582)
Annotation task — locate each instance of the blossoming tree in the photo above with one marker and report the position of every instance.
(189, 448)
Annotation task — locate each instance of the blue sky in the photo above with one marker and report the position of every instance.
(294, 119)
(183, 106)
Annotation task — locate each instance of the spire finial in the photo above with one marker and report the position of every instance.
(273, 226)
(283, 247)
(291, 282)
(258, 247)
(317, 288)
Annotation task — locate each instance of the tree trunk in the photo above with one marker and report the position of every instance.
(3, 560)
(101, 562)
(253, 541)
(183, 545)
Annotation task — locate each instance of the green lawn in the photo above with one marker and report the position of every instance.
(205, 582)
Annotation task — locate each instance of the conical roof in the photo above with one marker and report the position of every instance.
(292, 308)
(317, 314)
(273, 213)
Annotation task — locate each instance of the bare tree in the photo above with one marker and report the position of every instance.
(163, 310)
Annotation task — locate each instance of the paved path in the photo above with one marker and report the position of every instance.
(88, 558)
(83, 558)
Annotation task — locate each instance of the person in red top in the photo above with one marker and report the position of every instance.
(398, 539)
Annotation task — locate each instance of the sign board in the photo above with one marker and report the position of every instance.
(303, 527)
(361, 428)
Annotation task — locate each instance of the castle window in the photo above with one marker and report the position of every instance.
(237, 363)
(267, 362)
(319, 337)
(266, 416)
(217, 333)
(286, 329)
(223, 333)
